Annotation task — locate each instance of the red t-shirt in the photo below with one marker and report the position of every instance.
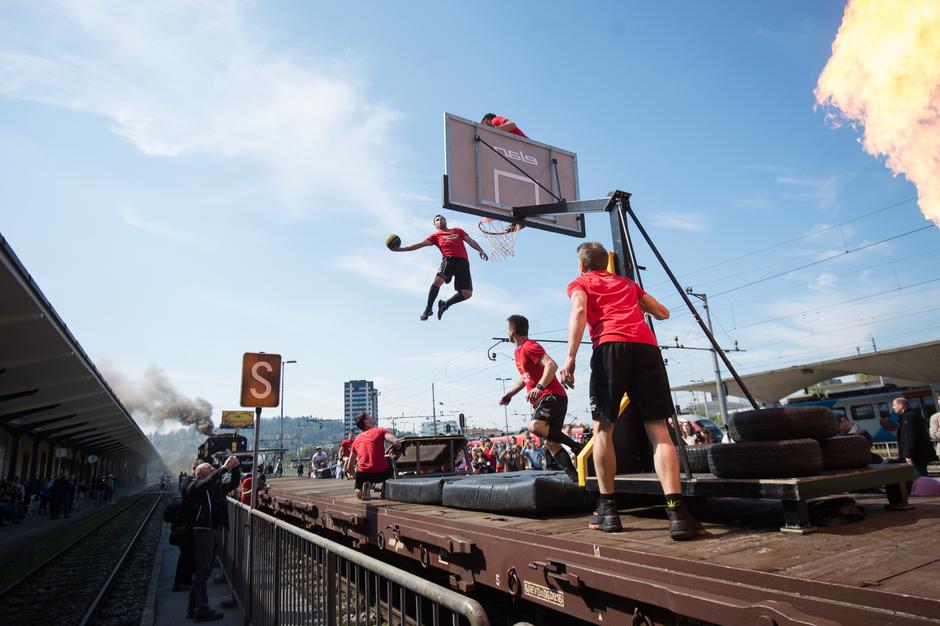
(370, 450)
(499, 121)
(345, 447)
(613, 309)
(246, 491)
(490, 458)
(529, 363)
(450, 242)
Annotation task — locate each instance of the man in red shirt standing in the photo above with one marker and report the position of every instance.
(368, 456)
(626, 359)
(546, 395)
(454, 264)
(502, 123)
(344, 450)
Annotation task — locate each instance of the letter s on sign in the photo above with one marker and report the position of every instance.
(257, 377)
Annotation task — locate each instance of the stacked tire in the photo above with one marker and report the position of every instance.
(786, 442)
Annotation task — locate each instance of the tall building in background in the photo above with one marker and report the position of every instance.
(359, 396)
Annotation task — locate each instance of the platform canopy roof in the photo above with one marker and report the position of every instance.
(918, 364)
(49, 388)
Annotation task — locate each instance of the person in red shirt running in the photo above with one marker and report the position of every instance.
(454, 265)
(367, 456)
(344, 449)
(546, 395)
(626, 359)
(502, 123)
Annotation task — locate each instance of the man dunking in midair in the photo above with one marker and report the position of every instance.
(547, 396)
(454, 265)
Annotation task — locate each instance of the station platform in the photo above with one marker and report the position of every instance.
(166, 607)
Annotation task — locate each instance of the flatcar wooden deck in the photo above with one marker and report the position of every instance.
(883, 570)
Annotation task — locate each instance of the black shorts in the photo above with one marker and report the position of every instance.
(458, 269)
(636, 369)
(551, 408)
(372, 477)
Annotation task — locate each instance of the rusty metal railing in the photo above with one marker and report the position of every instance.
(302, 578)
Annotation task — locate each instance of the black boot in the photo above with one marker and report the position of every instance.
(606, 517)
(682, 526)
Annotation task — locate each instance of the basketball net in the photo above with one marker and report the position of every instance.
(502, 242)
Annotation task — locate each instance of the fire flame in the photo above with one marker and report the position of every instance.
(884, 75)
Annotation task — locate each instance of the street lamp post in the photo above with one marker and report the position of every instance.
(505, 411)
(281, 437)
(719, 386)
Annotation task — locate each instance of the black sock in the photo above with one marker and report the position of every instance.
(673, 500)
(454, 299)
(609, 498)
(432, 295)
(555, 434)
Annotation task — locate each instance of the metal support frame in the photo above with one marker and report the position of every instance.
(792, 493)
(621, 199)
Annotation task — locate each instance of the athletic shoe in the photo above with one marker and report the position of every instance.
(682, 526)
(441, 307)
(427, 313)
(366, 491)
(606, 518)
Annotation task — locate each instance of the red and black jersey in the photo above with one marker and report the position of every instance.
(450, 242)
(613, 308)
(528, 358)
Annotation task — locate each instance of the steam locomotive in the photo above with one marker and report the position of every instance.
(220, 446)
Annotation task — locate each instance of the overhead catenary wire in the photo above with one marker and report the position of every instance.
(818, 261)
(793, 240)
(808, 235)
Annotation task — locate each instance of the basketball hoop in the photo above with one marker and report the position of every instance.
(502, 240)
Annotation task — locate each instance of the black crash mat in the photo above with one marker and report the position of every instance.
(524, 492)
(420, 489)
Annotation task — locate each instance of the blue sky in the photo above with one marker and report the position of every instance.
(190, 181)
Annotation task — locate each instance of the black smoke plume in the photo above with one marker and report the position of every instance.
(156, 399)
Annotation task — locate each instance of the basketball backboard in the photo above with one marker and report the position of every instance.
(490, 176)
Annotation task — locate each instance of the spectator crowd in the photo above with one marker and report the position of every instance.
(53, 497)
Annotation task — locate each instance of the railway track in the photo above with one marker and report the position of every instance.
(70, 586)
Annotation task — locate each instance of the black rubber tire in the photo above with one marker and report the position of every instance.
(782, 423)
(698, 458)
(845, 452)
(766, 459)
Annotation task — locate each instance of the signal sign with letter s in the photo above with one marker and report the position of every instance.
(261, 379)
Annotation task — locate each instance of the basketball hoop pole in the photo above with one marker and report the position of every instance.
(619, 202)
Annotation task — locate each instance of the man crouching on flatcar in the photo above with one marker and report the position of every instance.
(367, 462)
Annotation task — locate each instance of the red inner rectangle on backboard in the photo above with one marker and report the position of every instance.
(502, 171)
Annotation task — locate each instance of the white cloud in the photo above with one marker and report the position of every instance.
(823, 282)
(823, 192)
(689, 222)
(131, 219)
(196, 78)
(413, 273)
